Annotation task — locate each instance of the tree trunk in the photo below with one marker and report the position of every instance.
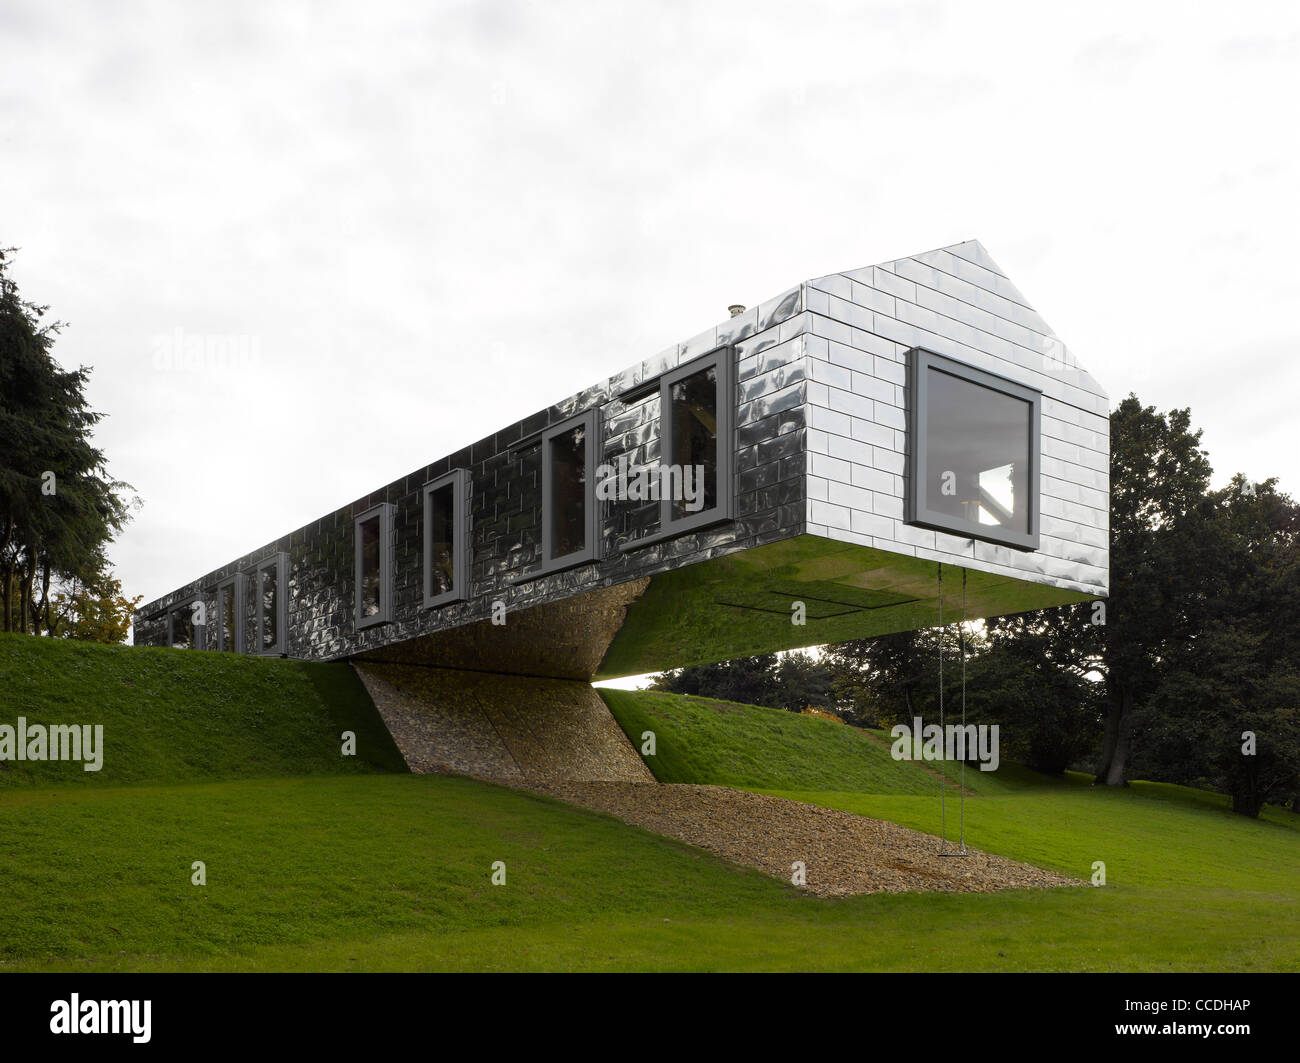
(1247, 794)
(1246, 802)
(1115, 744)
(29, 578)
(6, 586)
(43, 610)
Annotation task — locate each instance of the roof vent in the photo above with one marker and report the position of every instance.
(736, 309)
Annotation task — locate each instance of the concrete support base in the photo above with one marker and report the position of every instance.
(507, 728)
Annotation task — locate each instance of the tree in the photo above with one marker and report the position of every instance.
(790, 681)
(747, 680)
(1158, 475)
(888, 679)
(94, 614)
(1041, 693)
(59, 508)
(1227, 711)
(802, 680)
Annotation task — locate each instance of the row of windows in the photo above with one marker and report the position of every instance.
(696, 411)
(696, 414)
(973, 467)
(446, 554)
(189, 626)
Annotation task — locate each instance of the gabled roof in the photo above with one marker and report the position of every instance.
(964, 285)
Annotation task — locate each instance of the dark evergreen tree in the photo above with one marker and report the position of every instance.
(59, 508)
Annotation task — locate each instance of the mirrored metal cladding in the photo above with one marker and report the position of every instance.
(822, 486)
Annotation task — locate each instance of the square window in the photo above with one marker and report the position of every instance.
(373, 531)
(973, 452)
(446, 539)
(569, 511)
(696, 404)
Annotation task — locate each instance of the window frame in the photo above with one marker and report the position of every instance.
(200, 630)
(384, 511)
(280, 561)
(237, 581)
(724, 362)
(590, 551)
(916, 512)
(460, 488)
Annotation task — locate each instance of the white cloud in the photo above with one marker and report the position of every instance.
(404, 201)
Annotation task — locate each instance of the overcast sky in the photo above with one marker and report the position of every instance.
(418, 223)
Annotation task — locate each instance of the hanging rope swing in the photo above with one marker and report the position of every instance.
(943, 731)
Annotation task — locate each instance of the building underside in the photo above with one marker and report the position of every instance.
(737, 605)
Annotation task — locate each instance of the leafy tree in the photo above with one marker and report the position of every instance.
(100, 613)
(1158, 475)
(59, 507)
(747, 680)
(802, 681)
(1227, 711)
(790, 681)
(1029, 682)
(889, 679)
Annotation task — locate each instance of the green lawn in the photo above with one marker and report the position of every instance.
(702, 740)
(392, 873)
(388, 871)
(176, 715)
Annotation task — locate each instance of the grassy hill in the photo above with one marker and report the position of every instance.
(378, 870)
(703, 740)
(177, 715)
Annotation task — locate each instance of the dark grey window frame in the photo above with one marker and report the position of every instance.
(591, 539)
(384, 511)
(724, 361)
(920, 362)
(280, 561)
(725, 510)
(200, 630)
(460, 487)
(236, 581)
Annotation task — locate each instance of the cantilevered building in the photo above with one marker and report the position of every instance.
(852, 438)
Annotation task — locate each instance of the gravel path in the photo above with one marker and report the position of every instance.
(843, 853)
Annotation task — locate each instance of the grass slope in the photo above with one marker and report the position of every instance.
(702, 740)
(180, 715)
(392, 873)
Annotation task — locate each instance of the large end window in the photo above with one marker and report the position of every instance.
(272, 604)
(696, 403)
(446, 546)
(374, 565)
(973, 453)
(569, 515)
